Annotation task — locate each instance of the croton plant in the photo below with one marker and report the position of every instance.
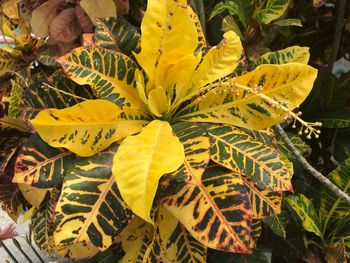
(156, 144)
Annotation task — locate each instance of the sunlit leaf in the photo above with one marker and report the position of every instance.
(96, 126)
(140, 162)
(99, 8)
(273, 10)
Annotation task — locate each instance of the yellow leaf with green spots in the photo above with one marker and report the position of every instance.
(140, 162)
(168, 33)
(85, 128)
(173, 243)
(273, 10)
(109, 73)
(237, 102)
(135, 240)
(306, 212)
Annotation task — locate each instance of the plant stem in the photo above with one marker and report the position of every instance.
(337, 33)
(320, 177)
(2, 244)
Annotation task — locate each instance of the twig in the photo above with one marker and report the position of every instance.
(337, 33)
(320, 177)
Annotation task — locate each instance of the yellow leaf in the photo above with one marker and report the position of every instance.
(27, 215)
(158, 101)
(220, 61)
(99, 8)
(10, 9)
(141, 161)
(234, 102)
(168, 34)
(33, 195)
(86, 128)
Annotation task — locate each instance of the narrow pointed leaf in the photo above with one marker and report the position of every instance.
(173, 243)
(90, 209)
(86, 128)
(40, 165)
(135, 240)
(306, 212)
(117, 34)
(215, 209)
(236, 150)
(255, 233)
(16, 96)
(288, 84)
(109, 73)
(140, 162)
(278, 223)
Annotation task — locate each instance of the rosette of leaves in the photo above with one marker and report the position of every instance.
(166, 160)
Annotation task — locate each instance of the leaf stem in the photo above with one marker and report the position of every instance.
(312, 171)
(62, 91)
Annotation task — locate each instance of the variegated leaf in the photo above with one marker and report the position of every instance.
(332, 208)
(97, 124)
(202, 44)
(42, 222)
(287, 55)
(255, 233)
(215, 209)
(109, 73)
(56, 92)
(173, 243)
(264, 203)
(15, 99)
(278, 223)
(196, 144)
(236, 150)
(40, 165)
(9, 61)
(90, 209)
(273, 10)
(306, 212)
(135, 240)
(117, 34)
(236, 101)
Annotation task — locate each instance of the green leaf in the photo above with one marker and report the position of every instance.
(229, 23)
(306, 212)
(215, 208)
(273, 10)
(90, 208)
(334, 118)
(109, 73)
(42, 222)
(333, 210)
(283, 56)
(40, 165)
(236, 150)
(288, 22)
(117, 34)
(173, 243)
(278, 223)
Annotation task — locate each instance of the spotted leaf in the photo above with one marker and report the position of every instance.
(264, 203)
(40, 165)
(231, 102)
(215, 209)
(90, 208)
(97, 124)
(173, 243)
(236, 150)
(117, 34)
(109, 73)
(135, 240)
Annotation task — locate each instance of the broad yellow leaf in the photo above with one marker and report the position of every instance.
(33, 195)
(99, 8)
(168, 34)
(86, 128)
(141, 161)
(157, 101)
(287, 84)
(28, 215)
(219, 61)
